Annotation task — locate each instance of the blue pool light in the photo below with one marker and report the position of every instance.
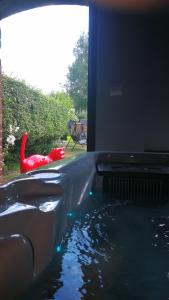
(90, 193)
(58, 248)
(69, 214)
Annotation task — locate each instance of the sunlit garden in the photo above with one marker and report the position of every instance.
(45, 117)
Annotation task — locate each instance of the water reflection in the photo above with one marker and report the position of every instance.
(115, 252)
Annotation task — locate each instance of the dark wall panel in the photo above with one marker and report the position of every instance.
(132, 94)
(157, 113)
(121, 66)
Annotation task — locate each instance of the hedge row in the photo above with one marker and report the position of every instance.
(44, 117)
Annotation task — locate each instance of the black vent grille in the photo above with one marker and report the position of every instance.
(137, 188)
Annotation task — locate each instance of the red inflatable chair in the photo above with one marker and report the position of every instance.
(35, 161)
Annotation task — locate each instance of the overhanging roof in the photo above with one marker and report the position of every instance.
(134, 4)
(9, 7)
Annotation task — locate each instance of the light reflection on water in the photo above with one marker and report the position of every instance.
(115, 252)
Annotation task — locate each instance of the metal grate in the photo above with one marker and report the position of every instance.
(134, 188)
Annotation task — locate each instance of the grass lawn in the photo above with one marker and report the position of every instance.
(13, 169)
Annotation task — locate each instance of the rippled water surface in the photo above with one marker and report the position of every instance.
(114, 251)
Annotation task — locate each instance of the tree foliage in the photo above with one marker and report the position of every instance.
(77, 77)
(44, 117)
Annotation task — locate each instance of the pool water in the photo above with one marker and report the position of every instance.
(114, 251)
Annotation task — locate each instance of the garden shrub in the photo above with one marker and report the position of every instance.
(44, 117)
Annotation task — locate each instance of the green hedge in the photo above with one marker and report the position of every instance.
(44, 117)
